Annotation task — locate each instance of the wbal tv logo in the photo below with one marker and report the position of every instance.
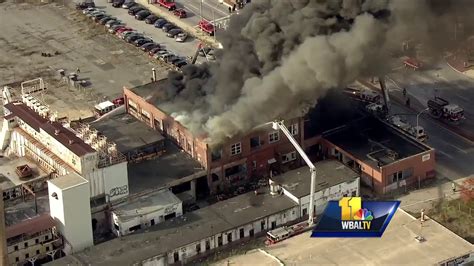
(352, 217)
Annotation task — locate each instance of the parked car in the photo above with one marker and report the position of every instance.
(132, 37)
(168, 26)
(171, 58)
(114, 28)
(89, 10)
(172, 33)
(104, 20)
(151, 19)
(125, 34)
(181, 37)
(148, 46)
(161, 53)
(180, 64)
(180, 13)
(113, 22)
(118, 3)
(142, 14)
(128, 4)
(84, 5)
(98, 17)
(122, 30)
(159, 23)
(134, 10)
(95, 12)
(155, 50)
(141, 41)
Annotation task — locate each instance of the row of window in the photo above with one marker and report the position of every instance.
(46, 238)
(27, 255)
(273, 137)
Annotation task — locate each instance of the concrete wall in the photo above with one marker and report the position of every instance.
(72, 212)
(116, 181)
(336, 192)
(143, 219)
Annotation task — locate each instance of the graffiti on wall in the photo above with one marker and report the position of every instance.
(116, 191)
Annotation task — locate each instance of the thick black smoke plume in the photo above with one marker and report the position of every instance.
(281, 56)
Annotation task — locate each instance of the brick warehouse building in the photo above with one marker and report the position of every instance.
(384, 157)
(253, 155)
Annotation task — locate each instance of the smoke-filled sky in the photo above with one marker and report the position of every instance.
(281, 56)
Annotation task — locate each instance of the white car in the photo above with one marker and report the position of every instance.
(89, 10)
(181, 37)
(94, 13)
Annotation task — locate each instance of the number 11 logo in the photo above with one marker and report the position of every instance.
(349, 207)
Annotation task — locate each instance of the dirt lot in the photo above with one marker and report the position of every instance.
(107, 63)
(457, 216)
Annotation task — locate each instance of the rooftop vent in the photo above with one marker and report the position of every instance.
(57, 131)
(71, 142)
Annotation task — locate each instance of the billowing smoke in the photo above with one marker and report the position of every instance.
(280, 57)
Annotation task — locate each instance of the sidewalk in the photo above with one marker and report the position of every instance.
(415, 105)
(192, 30)
(456, 61)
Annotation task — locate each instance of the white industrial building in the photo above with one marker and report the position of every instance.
(70, 206)
(145, 211)
(201, 232)
(333, 181)
(30, 129)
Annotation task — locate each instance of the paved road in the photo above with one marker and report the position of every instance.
(454, 154)
(209, 10)
(183, 49)
(440, 80)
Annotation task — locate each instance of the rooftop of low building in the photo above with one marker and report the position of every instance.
(9, 178)
(146, 204)
(55, 129)
(373, 142)
(328, 174)
(191, 227)
(127, 132)
(163, 171)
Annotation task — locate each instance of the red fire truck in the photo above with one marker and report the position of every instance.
(206, 26)
(441, 108)
(285, 232)
(168, 4)
(412, 63)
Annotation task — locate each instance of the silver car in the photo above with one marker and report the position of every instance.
(181, 37)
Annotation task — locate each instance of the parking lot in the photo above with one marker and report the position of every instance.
(105, 62)
(186, 49)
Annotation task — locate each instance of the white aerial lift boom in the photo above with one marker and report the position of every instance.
(279, 125)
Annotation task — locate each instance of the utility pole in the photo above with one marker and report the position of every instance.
(200, 8)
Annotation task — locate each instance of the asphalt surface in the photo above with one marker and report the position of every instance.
(185, 49)
(440, 80)
(454, 154)
(106, 63)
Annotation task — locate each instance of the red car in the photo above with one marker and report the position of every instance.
(206, 26)
(122, 30)
(180, 13)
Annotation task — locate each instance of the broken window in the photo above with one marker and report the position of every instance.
(235, 148)
(274, 136)
(293, 129)
(216, 155)
(255, 142)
